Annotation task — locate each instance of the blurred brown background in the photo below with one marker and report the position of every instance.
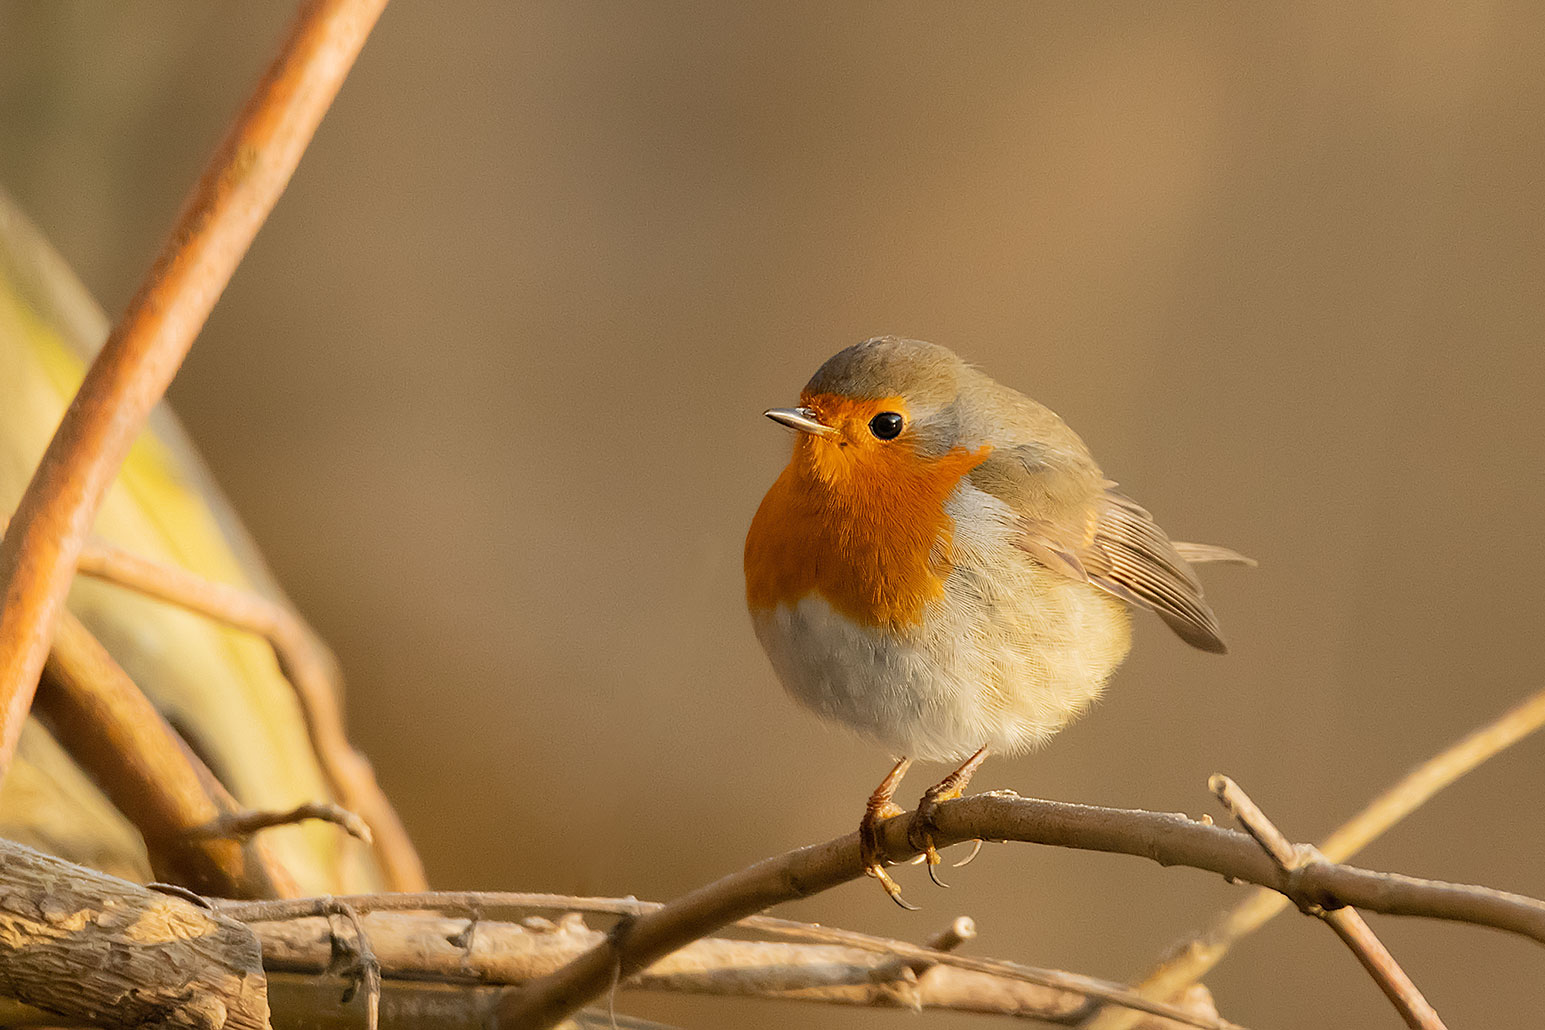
(488, 391)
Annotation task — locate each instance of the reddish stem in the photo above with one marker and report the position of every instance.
(229, 203)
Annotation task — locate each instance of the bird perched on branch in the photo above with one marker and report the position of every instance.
(944, 568)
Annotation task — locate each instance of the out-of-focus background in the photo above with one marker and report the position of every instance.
(487, 391)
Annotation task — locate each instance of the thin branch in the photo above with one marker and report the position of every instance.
(1349, 926)
(134, 367)
(1074, 987)
(309, 668)
(118, 736)
(241, 825)
(960, 930)
(432, 948)
(1167, 839)
(363, 969)
(1196, 957)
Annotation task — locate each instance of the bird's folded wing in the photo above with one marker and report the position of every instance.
(1076, 523)
(1129, 556)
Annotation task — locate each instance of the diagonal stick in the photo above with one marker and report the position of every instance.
(1199, 955)
(239, 187)
(1349, 926)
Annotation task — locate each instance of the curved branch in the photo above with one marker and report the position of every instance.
(1165, 838)
(230, 201)
(310, 671)
(148, 771)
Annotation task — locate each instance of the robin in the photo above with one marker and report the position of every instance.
(944, 568)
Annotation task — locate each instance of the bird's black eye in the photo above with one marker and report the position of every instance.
(886, 425)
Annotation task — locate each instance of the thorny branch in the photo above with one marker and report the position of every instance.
(241, 825)
(243, 181)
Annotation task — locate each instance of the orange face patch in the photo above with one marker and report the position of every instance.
(857, 520)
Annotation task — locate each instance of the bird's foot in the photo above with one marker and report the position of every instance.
(880, 808)
(921, 829)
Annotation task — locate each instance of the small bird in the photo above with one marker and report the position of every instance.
(943, 568)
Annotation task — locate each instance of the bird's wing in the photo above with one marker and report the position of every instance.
(1076, 523)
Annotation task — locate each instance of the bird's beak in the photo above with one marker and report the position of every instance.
(802, 419)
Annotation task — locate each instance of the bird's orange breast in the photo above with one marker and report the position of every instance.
(866, 531)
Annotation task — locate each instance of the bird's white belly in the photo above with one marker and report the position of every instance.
(1005, 658)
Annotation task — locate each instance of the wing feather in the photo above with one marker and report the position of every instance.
(1130, 556)
(1098, 535)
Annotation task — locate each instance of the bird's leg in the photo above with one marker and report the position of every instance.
(920, 830)
(881, 807)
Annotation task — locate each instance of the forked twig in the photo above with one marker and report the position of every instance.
(232, 198)
(1349, 926)
(307, 666)
(1193, 960)
(430, 948)
(119, 737)
(1075, 991)
(1168, 839)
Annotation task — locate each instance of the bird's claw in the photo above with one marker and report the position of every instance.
(920, 834)
(869, 850)
(920, 830)
(976, 849)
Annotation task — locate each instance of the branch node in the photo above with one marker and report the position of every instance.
(355, 961)
(1293, 859)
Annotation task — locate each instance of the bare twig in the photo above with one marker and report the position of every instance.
(960, 930)
(1077, 990)
(428, 948)
(1349, 926)
(142, 353)
(309, 668)
(362, 968)
(241, 825)
(117, 735)
(1192, 961)
(1168, 839)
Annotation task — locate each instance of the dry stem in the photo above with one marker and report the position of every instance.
(475, 903)
(1168, 839)
(308, 667)
(433, 948)
(241, 825)
(1349, 926)
(1193, 960)
(117, 735)
(142, 353)
(92, 947)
